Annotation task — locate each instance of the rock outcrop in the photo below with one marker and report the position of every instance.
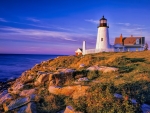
(27, 93)
(103, 69)
(145, 108)
(72, 91)
(4, 96)
(16, 87)
(18, 103)
(70, 109)
(41, 78)
(29, 108)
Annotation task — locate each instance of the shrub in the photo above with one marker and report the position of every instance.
(50, 104)
(100, 99)
(93, 74)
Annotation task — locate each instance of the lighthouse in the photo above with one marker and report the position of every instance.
(102, 43)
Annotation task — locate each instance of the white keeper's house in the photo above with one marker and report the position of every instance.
(121, 44)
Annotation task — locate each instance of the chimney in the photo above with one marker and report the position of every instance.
(121, 39)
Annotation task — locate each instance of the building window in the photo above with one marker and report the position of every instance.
(101, 39)
(137, 41)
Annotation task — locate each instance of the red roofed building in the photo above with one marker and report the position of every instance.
(78, 52)
(129, 43)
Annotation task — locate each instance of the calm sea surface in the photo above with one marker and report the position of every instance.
(12, 65)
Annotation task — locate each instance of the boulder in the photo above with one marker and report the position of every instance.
(81, 65)
(15, 88)
(93, 68)
(3, 93)
(41, 72)
(83, 79)
(72, 91)
(5, 96)
(133, 101)
(65, 70)
(118, 96)
(26, 93)
(41, 79)
(145, 108)
(30, 77)
(70, 109)
(18, 103)
(103, 69)
(29, 108)
(50, 77)
(56, 78)
(60, 77)
(5, 85)
(79, 91)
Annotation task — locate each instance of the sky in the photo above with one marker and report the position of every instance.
(60, 26)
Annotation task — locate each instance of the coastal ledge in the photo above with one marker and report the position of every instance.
(53, 85)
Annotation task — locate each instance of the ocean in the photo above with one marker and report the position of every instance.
(13, 65)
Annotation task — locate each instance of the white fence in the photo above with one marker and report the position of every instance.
(90, 51)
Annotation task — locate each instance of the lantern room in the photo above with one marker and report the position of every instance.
(103, 22)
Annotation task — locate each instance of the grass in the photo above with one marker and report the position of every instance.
(132, 81)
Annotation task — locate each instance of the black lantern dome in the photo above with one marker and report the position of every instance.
(103, 22)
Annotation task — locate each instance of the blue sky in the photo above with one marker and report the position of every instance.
(60, 26)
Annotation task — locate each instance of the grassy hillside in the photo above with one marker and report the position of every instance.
(132, 81)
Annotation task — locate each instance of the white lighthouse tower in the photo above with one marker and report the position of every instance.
(102, 43)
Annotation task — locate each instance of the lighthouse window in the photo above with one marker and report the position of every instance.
(101, 39)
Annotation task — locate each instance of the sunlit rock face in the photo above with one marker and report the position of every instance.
(16, 87)
(103, 69)
(72, 91)
(70, 109)
(27, 93)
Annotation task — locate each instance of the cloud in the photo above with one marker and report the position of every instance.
(92, 21)
(128, 24)
(139, 28)
(125, 24)
(46, 26)
(3, 20)
(39, 34)
(138, 25)
(82, 28)
(33, 19)
(61, 28)
(32, 49)
(135, 31)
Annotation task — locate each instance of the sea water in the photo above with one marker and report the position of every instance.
(13, 65)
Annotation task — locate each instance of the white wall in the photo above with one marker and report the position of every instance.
(128, 49)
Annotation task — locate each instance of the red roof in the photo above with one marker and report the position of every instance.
(126, 40)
